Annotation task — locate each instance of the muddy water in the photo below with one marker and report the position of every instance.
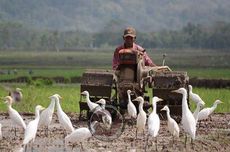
(212, 135)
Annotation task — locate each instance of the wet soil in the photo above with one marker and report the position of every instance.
(212, 135)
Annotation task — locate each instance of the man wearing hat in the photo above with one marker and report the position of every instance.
(129, 43)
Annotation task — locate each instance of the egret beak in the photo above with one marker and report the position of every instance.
(99, 101)
(175, 91)
(132, 93)
(160, 100)
(18, 89)
(163, 109)
(135, 100)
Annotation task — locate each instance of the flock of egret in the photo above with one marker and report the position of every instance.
(73, 136)
(188, 121)
(44, 119)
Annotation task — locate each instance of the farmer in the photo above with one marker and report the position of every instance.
(129, 38)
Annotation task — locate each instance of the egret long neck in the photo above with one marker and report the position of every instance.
(184, 102)
(195, 114)
(103, 106)
(168, 115)
(213, 107)
(52, 104)
(58, 105)
(129, 98)
(154, 107)
(197, 109)
(141, 106)
(9, 106)
(88, 99)
(190, 89)
(37, 115)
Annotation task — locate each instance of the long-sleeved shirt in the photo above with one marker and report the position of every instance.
(148, 61)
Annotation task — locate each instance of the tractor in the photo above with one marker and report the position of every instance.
(132, 74)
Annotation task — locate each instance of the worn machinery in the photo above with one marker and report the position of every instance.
(142, 80)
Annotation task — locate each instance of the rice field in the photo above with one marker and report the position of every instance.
(198, 63)
(211, 64)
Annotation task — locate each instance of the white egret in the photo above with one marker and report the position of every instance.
(132, 111)
(80, 134)
(195, 97)
(106, 116)
(47, 115)
(197, 110)
(14, 115)
(206, 112)
(153, 121)
(172, 124)
(64, 120)
(0, 131)
(141, 117)
(188, 121)
(102, 102)
(31, 129)
(92, 106)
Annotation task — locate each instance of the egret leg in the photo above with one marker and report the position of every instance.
(192, 143)
(133, 121)
(32, 147)
(136, 133)
(198, 124)
(73, 146)
(46, 131)
(144, 133)
(25, 148)
(185, 140)
(173, 140)
(15, 131)
(65, 144)
(146, 142)
(82, 147)
(64, 133)
(156, 144)
(210, 118)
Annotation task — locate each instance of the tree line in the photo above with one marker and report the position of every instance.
(16, 36)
